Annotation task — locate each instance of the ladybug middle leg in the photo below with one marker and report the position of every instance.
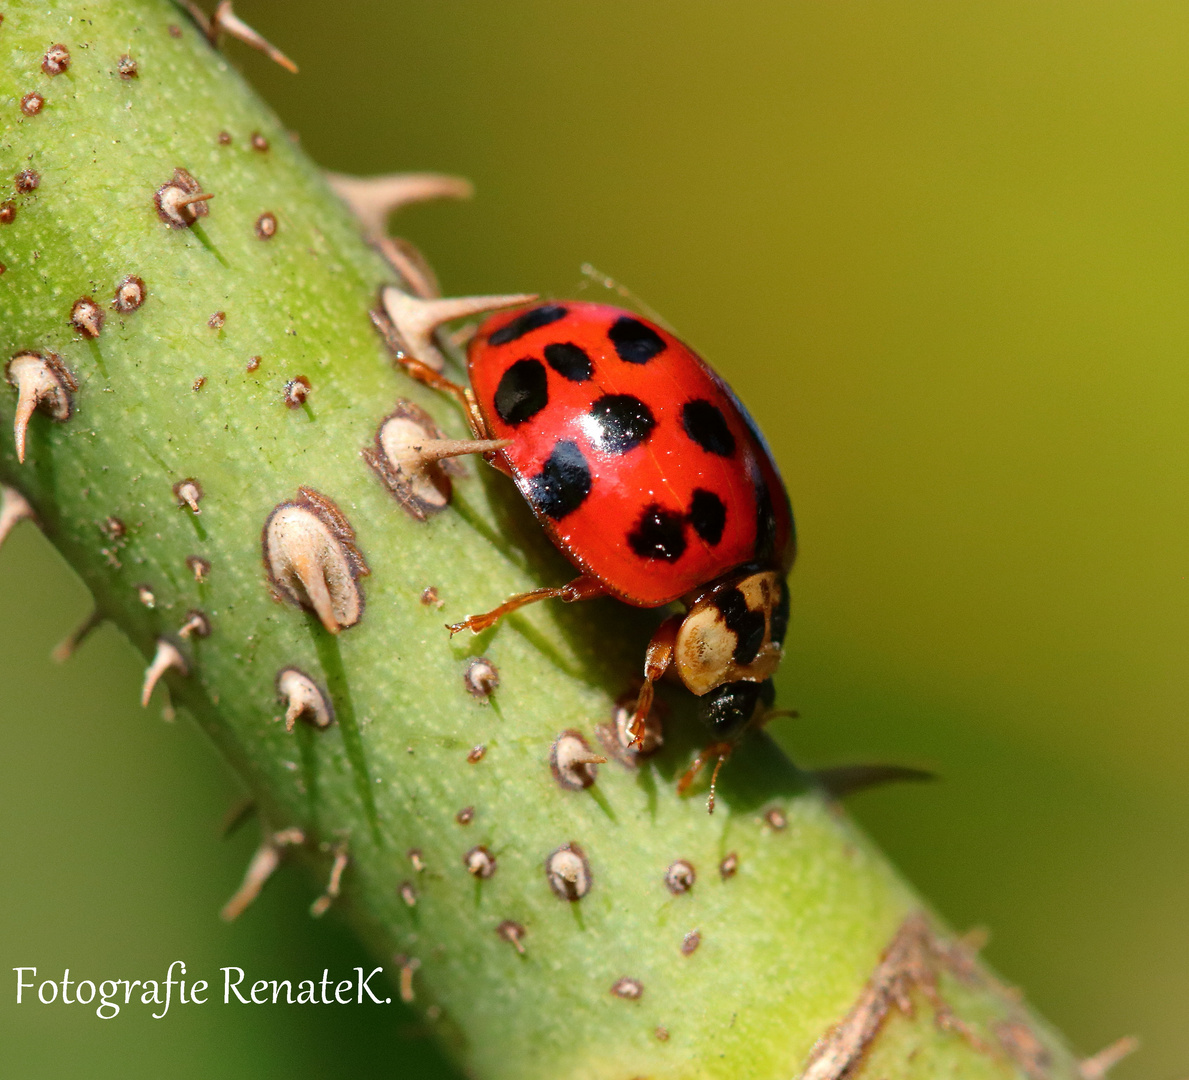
(657, 658)
(581, 588)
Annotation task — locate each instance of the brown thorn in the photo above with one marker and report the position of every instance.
(42, 382)
(14, 507)
(1098, 1065)
(166, 657)
(408, 968)
(196, 625)
(264, 862)
(195, 199)
(237, 813)
(320, 906)
(67, 647)
(262, 866)
(372, 198)
(417, 319)
(225, 21)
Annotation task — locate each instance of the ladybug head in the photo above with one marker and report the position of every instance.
(727, 709)
(733, 631)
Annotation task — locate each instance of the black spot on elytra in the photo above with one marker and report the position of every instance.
(569, 361)
(530, 320)
(780, 616)
(622, 422)
(635, 342)
(563, 484)
(747, 625)
(707, 515)
(522, 393)
(765, 549)
(705, 424)
(659, 534)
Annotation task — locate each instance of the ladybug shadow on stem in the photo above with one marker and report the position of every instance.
(607, 636)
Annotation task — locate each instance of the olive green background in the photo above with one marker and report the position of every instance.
(942, 252)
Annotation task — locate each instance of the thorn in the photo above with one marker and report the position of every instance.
(42, 382)
(843, 780)
(372, 198)
(196, 625)
(264, 862)
(310, 552)
(14, 507)
(405, 455)
(572, 761)
(303, 697)
(413, 267)
(199, 567)
(180, 200)
(320, 906)
(1097, 1066)
(408, 894)
(188, 492)
(167, 656)
(145, 595)
(416, 319)
(513, 933)
(190, 200)
(568, 872)
(237, 813)
(408, 968)
(68, 646)
(225, 21)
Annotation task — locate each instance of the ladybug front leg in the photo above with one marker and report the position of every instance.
(581, 588)
(657, 659)
(720, 750)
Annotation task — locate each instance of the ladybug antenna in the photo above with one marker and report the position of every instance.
(592, 274)
(416, 320)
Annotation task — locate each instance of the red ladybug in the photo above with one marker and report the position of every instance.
(651, 477)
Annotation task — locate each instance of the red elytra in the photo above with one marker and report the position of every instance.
(637, 459)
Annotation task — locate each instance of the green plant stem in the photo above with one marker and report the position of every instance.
(787, 943)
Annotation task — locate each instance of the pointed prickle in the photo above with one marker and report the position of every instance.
(180, 201)
(264, 862)
(408, 446)
(225, 21)
(14, 507)
(312, 560)
(372, 198)
(320, 906)
(196, 625)
(416, 319)
(42, 382)
(166, 657)
(303, 697)
(188, 492)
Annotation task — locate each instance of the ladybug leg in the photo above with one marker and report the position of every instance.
(581, 588)
(720, 750)
(657, 659)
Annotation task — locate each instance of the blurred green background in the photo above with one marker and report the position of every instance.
(942, 252)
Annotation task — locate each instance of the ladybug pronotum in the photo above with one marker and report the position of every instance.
(650, 476)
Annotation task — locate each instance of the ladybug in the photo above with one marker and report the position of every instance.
(650, 476)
